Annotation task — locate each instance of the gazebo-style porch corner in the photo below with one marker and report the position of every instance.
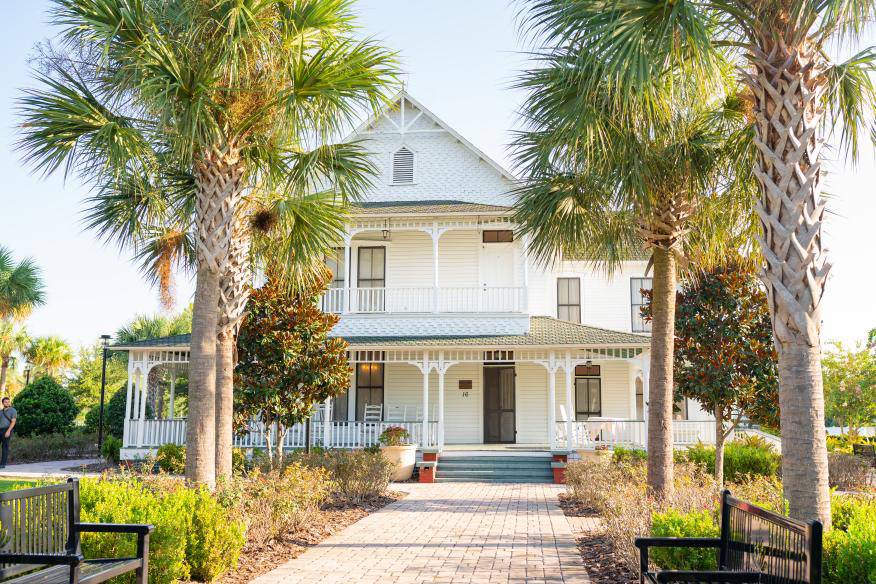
(562, 386)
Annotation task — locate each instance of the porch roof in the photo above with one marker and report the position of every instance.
(433, 207)
(544, 331)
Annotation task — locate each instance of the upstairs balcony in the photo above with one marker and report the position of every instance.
(484, 299)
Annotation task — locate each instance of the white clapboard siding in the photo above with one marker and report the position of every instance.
(458, 259)
(463, 408)
(615, 376)
(531, 386)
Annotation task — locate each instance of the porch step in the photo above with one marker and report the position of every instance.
(500, 469)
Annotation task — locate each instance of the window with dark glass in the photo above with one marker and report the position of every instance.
(335, 263)
(637, 300)
(588, 392)
(569, 299)
(369, 387)
(372, 265)
(498, 236)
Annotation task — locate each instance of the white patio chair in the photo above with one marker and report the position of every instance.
(373, 413)
(395, 414)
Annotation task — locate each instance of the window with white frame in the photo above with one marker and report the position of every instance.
(335, 263)
(402, 166)
(637, 301)
(588, 392)
(569, 299)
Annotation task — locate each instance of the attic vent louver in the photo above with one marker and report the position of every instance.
(402, 166)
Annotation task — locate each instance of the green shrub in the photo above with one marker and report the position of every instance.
(171, 458)
(111, 449)
(357, 475)
(850, 547)
(742, 460)
(113, 414)
(675, 524)
(52, 447)
(621, 455)
(194, 538)
(44, 407)
(239, 465)
(277, 502)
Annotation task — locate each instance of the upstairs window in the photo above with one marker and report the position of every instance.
(498, 236)
(402, 166)
(637, 300)
(569, 299)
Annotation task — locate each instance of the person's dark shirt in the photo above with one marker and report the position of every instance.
(6, 417)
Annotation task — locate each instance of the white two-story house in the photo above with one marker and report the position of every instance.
(454, 331)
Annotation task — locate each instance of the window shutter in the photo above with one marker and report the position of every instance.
(402, 166)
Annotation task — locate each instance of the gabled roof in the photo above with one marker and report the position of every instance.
(374, 118)
(544, 331)
(393, 208)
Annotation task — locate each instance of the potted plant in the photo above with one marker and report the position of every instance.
(397, 448)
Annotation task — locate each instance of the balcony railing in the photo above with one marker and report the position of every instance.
(340, 434)
(505, 299)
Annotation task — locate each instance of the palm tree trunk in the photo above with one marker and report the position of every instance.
(788, 85)
(719, 447)
(4, 367)
(660, 386)
(201, 422)
(224, 403)
(804, 440)
(219, 176)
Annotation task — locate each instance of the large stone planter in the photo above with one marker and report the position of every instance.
(403, 459)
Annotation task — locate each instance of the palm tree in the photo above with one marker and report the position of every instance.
(12, 340)
(49, 355)
(221, 89)
(797, 96)
(603, 184)
(21, 286)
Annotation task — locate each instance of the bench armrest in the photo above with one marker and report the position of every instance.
(48, 559)
(643, 543)
(140, 529)
(709, 576)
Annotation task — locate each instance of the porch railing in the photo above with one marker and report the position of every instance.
(339, 435)
(510, 299)
(630, 433)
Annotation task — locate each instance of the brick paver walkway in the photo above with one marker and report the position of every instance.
(448, 532)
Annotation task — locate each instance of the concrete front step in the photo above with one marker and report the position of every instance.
(504, 479)
(494, 469)
(447, 465)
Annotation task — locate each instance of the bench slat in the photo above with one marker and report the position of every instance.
(89, 573)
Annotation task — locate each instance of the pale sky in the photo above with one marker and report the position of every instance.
(459, 57)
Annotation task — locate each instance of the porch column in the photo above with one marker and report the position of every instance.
(552, 402)
(525, 273)
(425, 370)
(172, 392)
(646, 370)
(436, 235)
(442, 369)
(143, 386)
(126, 429)
(348, 271)
(570, 406)
(327, 423)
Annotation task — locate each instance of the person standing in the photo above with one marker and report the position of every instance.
(7, 423)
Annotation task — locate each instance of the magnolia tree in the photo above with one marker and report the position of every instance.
(724, 353)
(850, 386)
(286, 360)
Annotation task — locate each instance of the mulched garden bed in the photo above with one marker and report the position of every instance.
(333, 518)
(602, 564)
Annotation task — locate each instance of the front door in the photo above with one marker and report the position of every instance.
(499, 422)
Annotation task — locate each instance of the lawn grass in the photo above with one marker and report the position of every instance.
(12, 484)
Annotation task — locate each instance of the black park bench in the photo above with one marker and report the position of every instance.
(867, 451)
(40, 533)
(756, 546)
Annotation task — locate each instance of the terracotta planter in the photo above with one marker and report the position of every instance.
(403, 459)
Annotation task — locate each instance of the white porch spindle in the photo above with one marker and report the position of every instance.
(435, 237)
(442, 369)
(425, 398)
(552, 403)
(327, 423)
(345, 301)
(172, 392)
(570, 406)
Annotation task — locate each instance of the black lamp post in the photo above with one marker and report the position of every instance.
(105, 340)
(27, 368)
